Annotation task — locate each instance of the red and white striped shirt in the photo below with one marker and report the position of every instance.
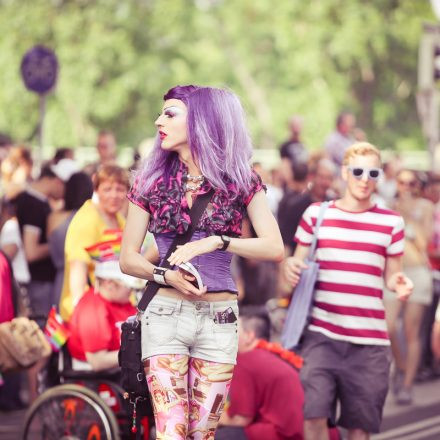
(352, 250)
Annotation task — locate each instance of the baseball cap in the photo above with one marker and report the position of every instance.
(65, 168)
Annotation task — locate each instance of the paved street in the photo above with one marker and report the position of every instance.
(10, 424)
(420, 421)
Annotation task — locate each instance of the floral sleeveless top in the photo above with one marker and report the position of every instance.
(168, 207)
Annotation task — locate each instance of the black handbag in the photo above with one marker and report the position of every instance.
(133, 379)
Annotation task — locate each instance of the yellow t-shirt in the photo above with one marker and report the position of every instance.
(86, 228)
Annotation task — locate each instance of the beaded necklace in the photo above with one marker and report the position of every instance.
(289, 356)
(197, 180)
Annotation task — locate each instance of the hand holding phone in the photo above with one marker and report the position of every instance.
(191, 274)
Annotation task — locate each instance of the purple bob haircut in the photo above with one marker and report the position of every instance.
(217, 137)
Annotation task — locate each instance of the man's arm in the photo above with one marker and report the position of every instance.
(293, 267)
(10, 250)
(10, 239)
(33, 249)
(78, 281)
(234, 420)
(396, 280)
(102, 360)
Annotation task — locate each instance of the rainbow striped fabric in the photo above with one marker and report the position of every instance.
(56, 330)
(109, 248)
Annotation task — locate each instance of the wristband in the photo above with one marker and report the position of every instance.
(159, 275)
(226, 240)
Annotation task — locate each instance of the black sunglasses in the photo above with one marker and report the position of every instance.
(358, 172)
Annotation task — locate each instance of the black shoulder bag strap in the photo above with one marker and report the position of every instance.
(195, 213)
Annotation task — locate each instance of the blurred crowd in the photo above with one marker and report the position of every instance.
(49, 215)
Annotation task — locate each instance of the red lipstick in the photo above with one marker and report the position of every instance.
(162, 135)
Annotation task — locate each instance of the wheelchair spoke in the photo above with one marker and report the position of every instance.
(69, 415)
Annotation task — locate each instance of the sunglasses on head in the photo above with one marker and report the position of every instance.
(358, 172)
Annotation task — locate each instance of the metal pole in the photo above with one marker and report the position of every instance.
(42, 113)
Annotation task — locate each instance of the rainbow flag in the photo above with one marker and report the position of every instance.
(56, 330)
(108, 248)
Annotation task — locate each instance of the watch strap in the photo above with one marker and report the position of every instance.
(226, 241)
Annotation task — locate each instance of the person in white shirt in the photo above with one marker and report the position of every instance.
(12, 245)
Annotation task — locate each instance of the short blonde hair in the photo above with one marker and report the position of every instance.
(361, 149)
(113, 173)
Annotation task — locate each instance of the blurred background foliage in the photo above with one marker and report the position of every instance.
(117, 58)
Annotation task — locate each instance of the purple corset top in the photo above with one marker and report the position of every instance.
(214, 268)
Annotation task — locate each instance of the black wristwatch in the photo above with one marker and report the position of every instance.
(226, 240)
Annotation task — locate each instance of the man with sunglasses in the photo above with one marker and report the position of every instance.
(346, 346)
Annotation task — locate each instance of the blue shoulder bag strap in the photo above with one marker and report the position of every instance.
(312, 250)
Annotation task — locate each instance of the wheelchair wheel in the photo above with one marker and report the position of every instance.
(70, 412)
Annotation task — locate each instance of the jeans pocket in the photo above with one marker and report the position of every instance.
(161, 323)
(226, 336)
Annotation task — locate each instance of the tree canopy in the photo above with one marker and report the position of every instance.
(117, 58)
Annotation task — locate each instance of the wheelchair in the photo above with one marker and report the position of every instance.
(85, 405)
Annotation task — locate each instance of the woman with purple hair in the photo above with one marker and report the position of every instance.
(189, 334)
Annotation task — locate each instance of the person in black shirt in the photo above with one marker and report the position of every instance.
(294, 148)
(292, 206)
(32, 211)
(295, 186)
(294, 158)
